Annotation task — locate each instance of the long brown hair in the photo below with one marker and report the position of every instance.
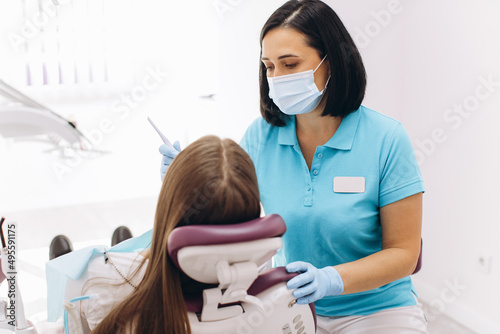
(212, 181)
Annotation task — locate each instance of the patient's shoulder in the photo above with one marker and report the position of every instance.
(112, 264)
(106, 279)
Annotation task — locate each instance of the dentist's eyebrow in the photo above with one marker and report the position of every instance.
(281, 57)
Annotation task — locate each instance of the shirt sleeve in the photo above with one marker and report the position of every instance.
(400, 174)
(244, 141)
(250, 139)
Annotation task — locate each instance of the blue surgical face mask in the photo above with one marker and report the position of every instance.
(296, 93)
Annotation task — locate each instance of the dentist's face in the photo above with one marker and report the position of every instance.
(285, 51)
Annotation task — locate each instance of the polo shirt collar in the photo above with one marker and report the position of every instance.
(341, 140)
(287, 134)
(344, 136)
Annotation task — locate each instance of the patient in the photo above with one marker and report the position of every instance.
(212, 181)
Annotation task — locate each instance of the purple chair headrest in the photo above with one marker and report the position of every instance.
(202, 235)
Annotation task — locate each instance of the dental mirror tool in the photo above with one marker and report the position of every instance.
(165, 140)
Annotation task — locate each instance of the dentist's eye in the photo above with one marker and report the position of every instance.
(290, 66)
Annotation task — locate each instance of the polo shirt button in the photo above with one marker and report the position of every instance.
(320, 155)
(315, 172)
(308, 187)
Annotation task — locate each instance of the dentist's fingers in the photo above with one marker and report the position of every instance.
(307, 276)
(306, 290)
(168, 151)
(177, 145)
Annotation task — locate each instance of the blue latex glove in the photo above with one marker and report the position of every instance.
(313, 283)
(169, 154)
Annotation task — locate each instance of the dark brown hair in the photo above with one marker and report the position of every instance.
(325, 32)
(212, 181)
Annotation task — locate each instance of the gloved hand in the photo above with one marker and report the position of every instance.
(169, 154)
(313, 283)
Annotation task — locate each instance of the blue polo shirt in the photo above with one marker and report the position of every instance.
(328, 225)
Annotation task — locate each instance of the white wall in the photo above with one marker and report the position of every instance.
(421, 61)
(180, 42)
(461, 172)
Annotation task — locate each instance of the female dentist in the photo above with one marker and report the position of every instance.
(344, 177)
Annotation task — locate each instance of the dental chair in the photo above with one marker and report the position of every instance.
(246, 299)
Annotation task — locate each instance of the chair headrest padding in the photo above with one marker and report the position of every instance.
(202, 235)
(269, 279)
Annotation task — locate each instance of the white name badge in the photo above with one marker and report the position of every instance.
(349, 184)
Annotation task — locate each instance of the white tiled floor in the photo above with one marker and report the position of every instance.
(444, 325)
(93, 224)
